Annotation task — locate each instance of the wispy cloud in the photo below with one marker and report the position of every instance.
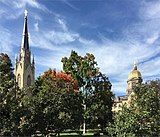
(70, 5)
(33, 3)
(36, 26)
(138, 41)
(1, 12)
(150, 9)
(115, 58)
(62, 24)
(5, 41)
(152, 39)
(14, 9)
(61, 37)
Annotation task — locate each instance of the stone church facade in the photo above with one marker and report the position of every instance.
(134, 78)
(24, 70)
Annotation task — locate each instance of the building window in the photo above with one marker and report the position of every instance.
(28, 80)
(19, 80)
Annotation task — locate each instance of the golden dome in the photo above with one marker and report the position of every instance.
(134, 73)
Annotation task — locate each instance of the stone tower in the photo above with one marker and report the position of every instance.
(24, 70)
(133, 78)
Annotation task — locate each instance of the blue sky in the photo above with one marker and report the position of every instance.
(117, 32)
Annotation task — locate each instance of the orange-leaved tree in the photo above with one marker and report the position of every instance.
(61, 79)
(55, 103)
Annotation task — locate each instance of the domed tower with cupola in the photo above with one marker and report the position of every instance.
(134, 78)
(24, 69)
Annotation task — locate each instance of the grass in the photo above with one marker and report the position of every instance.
(89, 134)
(77, 135)
(69, 133)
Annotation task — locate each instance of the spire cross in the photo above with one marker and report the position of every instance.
(25, 12)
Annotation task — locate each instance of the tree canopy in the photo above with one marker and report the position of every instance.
(94, 86)
(10, 96)
(55, 104)
(62, 100)
(141, 118)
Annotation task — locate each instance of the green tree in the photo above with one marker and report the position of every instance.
(54, 104)
(100, 104)
(10, 96)
(92, 85)
(141, 118)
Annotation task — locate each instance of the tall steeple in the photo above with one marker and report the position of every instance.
(25, 43)
(24, 70)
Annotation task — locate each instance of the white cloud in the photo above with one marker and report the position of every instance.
(153, 38)
(36, 26)
(87, 42)
(39, 41)
(150, 9)
(70, 5)
(148, 27)
(50, 61)
(151, 68)
(62, 24)
(61, 37)
(33, 3)
(14, 9)
(115, 58)
(1, 12)
(5, 41)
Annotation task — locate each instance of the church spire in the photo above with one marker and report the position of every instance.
(25, 43)
(24, 70)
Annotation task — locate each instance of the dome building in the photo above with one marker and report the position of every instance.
(134, 78)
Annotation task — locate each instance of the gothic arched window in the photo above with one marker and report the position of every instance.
(28, 80)
(19, 80)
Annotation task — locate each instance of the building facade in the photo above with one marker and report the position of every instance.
(134, 78)
(24, 70)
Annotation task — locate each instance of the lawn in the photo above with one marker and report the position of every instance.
(89, 134)
(76, 134)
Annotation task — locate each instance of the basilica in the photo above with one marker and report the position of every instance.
(24, 69)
